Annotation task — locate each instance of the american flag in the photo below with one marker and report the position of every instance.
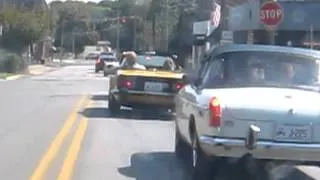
(215, 15)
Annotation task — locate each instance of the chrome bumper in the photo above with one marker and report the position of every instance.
(263, 150)
(151, 93)
(142, 98)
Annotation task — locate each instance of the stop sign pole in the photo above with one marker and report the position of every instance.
(271, 15)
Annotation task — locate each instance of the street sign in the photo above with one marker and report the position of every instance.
(271, 15)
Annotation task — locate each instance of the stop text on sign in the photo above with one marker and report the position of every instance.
(270, 14)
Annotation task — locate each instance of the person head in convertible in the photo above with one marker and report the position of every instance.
(169, 65)
(130, 61)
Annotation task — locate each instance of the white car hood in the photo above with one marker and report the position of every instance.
(267, 103)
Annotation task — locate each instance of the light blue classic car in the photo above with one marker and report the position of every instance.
(250, 99)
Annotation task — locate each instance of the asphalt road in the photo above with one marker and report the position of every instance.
(57, 126)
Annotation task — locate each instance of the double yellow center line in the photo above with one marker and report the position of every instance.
(69, 162)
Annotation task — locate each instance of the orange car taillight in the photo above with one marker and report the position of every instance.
(215, 112)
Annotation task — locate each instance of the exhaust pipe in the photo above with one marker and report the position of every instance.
(252, 137)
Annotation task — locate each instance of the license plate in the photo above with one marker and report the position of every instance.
(153, 86)
(295, 133)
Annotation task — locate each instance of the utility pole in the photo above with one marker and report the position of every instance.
(73, 43)
(61, 41)
(134, 33)
(118, 28)
(311, 36)
(167, 25)
(223, 19)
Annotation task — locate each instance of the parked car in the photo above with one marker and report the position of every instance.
(250, 100)
(106, 61)
(92, 56)
(154, 87)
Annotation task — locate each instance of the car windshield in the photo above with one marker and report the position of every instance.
(152, 61)
(273, 69)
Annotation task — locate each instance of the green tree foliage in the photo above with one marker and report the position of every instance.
(73, 25)
(22, 27)
(100, 18)
(157, 15)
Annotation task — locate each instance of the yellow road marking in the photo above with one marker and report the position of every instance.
(68, 164)
(57, 142)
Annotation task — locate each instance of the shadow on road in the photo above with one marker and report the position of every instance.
(250, 169)
(165, 166)
(155, 166)
(99, 97)
(101, 112)
(285, 172)
(95, 112)
(141, 115)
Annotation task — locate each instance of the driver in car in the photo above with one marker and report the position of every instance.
(130, 61)
(169, 65)
(256, 72)
(288, 75)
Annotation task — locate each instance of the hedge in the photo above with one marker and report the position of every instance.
(11, 62)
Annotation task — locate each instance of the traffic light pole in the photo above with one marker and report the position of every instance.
(134, 34)
(167, 25)
(118, 30)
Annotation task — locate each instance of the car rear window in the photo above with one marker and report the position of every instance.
(151, 61)
(262, 68)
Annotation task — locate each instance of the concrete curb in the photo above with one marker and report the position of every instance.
(18, 76)
(14, 77)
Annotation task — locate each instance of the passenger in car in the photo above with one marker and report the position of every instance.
(256, 72)
(130, 61)
(288, 75)
(169, 65)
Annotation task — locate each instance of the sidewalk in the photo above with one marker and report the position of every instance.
(38, 69)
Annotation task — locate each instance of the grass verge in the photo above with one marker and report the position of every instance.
(6, 75)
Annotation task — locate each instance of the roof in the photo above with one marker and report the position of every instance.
(265, 48)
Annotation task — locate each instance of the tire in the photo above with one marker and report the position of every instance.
(182, 149)
(114, 106)
(203, 167)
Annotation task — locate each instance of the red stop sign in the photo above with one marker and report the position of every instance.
(271, 14)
